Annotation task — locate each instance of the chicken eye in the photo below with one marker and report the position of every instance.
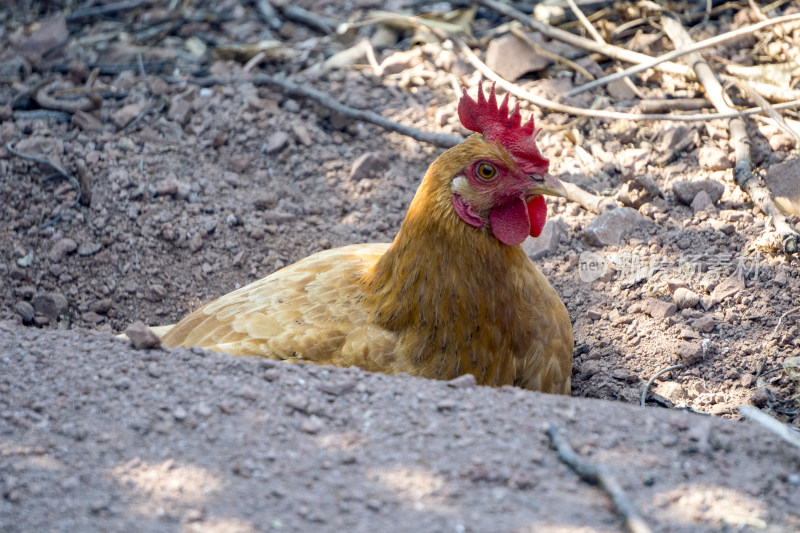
(486, 171)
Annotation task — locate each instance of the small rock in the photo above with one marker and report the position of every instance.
(264, 200)
(612, 227)
(368, 166)
(702, 202)
(685, 191)
(124, 115)
(142, 337)
(240, 163)
(593, 314)
(671, 390)
(61, 248)
(86, 122)
(465, 381)
(714, 158)
(675, 284)
(748, 380)
(154, 370)
(619, 90)
(339, 388)
(729, 287)
(26, 311)
(312, 425)
(511, 57)
(706, 324)
(276, 142)
(51, 305)
(760, 397)
(51, 34)
(89, 248)
(658, 309)
(195, 242)
(780, 278)
(547, 242)
(689, 352)
(725, 227)
(101, 306)
(590, 368)
(684, 298)
(179, 110)
(301, 134)
(49, 148)
(638, 192)
(672, 137)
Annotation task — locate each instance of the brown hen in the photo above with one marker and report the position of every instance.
(453, 294)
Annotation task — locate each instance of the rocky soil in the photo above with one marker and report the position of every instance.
(193, 189)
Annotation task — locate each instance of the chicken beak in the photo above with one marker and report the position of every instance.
(549, 185)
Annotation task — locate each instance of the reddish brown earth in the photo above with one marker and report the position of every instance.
(212, 188)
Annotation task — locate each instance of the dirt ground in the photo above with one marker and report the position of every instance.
(193, 191)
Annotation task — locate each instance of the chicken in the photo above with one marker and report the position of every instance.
(453, 294)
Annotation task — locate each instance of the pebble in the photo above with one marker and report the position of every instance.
(760, 397)
(89, 248)
(689, 352)
(611, 227)
(465, 381)
(50, 305)
(714, 158)
(511, 57)
(276, 142)
(124, 115)
(658, 309)
(547, 242)
(301, 134)
(685, 191)
(312, 425)
(702, 202)
(141, 337)
(86, 122)
(179, 110)
(730, 286)
(706, 324)
(368, 166)
(26, 311)
(593, 314)
(671, 390)
(685, 298)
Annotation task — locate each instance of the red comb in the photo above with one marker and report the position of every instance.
(497, 125)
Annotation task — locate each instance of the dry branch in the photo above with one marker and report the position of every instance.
(58, 170)
(599, 475)
(519, 92)
(742, 171)
(609, 50)
(684, 50)
(777, 427)
(289, 87)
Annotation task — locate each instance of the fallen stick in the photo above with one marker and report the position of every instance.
(442, 140)
(591, 202)
(598, 475)
(682, 51)
(519, 92)
(609, 50)
(742, 171)
(775, 426)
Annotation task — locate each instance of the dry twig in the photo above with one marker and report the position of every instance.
(742, 171)
(775, 426)
(609, 50)
(519, 92)
(289, 87)
(780, 320)
(599, 475)
(58, 170)
(682, 51)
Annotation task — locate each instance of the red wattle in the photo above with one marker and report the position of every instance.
(537, 213)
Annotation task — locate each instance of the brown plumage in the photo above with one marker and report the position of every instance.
(446, 298)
